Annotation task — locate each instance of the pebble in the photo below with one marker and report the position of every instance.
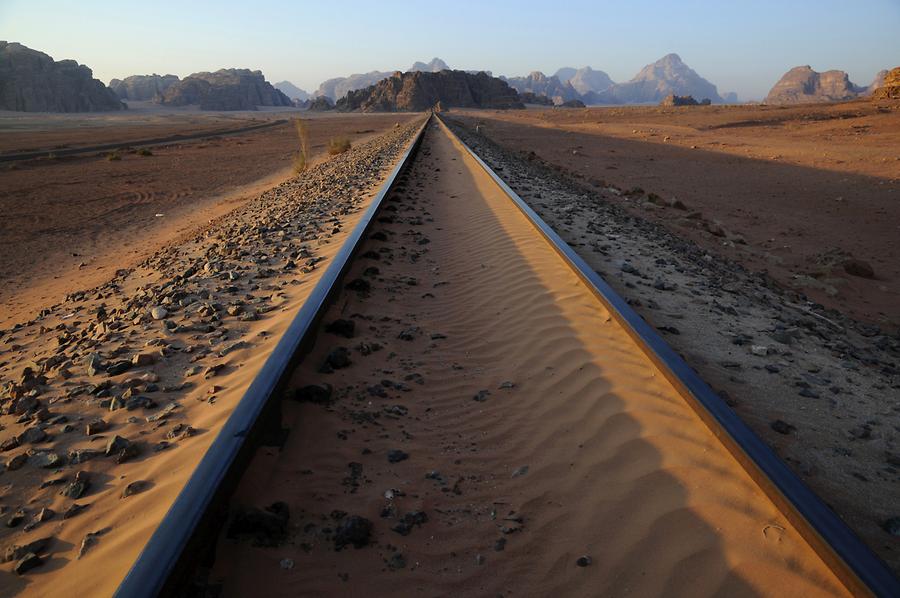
(584, 561)
(159, 312)
(396, 456)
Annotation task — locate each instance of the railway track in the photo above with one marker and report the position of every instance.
(465, 398)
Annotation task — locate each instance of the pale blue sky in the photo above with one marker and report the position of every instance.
(739, 46)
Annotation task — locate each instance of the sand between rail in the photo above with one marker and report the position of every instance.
(588, 452)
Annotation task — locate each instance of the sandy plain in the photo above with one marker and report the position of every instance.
(793, 191)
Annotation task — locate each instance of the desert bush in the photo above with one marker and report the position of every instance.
(144, 152)
(338, 145)
(113, 156)
(302, 157)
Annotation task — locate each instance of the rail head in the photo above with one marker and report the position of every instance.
(152, 573)
(853, 561)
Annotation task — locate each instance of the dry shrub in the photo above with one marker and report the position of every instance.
(338, 145)
(302, 157)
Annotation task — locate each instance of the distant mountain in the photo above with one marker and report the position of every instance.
(540, 84)
(565, 73)
(668, 75)
(421, 90)
(338, 87)
(435, 66)
(586, 79)
(31, 81)
(803, 85)
(292, 91)
(226, 89)
(141, 88)
(878, 81)
(730, 97)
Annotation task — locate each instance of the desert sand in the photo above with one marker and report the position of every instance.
(70, 223)
(500, 431)
(793, 191)
(120, 443)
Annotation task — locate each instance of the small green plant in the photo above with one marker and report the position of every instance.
(338, 145)
(144, 152)
(302, 157)
(113, 156)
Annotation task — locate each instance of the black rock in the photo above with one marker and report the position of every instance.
(314, 393)
(359, 285)
(341, 327)
(119, 367)
(337, 359)
(396, 455)
(584, 561)
(782, 427)
(353, 530)
(264, 527)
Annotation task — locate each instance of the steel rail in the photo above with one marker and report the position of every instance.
(854, 563)
(177, 544)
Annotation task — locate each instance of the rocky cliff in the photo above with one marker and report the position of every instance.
(340, 86)
(417, 91)
(803, 85)
(226, 89)
(31, 81)
(668, 75)
(141, 88)
(890, 86)
(540, 84)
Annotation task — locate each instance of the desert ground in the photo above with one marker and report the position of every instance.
(71, 221)
(489, 415)
(792, 191)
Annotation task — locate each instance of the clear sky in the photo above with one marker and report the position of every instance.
(742, 46)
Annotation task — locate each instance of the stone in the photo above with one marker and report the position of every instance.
(78, 487)
(17, 461)
(116, 445)
(27, 563)
(319, 394)
(143, 359)
(32, 435)
(96, 427)
(16, 552)
(584, 561)
(135, 487)
(353, 530)
(782, 427)
(94, 364)
(341, 327)
(859, 268)
(338, 358)
(264, 527)
(759, 350)
(159, 312)
(396, 456)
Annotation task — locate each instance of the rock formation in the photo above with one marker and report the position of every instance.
(668, 75)
(292, 91)
(674, 100)
(802, 85)
(435, 66)
(890, 86)
(530, 98)
(226, 89)
(141, 88)
(540, 84)
(417, 91)
(585, 80)
(31, 81)
(319, 104)
(572, 104)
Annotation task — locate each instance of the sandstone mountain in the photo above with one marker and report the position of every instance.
(292, 91)
(803, 85)
(585, 80)
(31, 81)
(339, 86)
(530, 98)
(668, 75)
(541, 85)
(435, 66)
(319, 104)
(141, 88)
(417, 91)
(674, 100)
(226, 89)
(890, 86)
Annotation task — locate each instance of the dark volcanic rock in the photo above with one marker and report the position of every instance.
(413, 92)
(226, 89)
(142, 87)
(802, 85)
(353, 530)
(31, 81)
